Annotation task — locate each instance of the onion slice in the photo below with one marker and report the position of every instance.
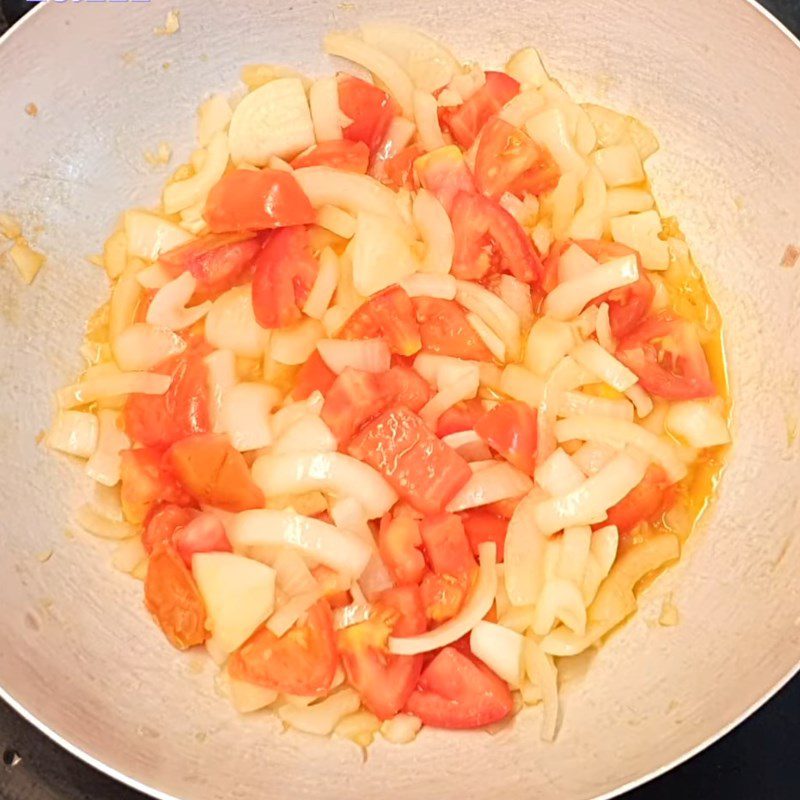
(592, 356)
(436, 232)
(499, 481)
(542, 672)
(80, 394)
(168, 306)
(494, 312)
(367, 355)
(501, 649)
(524, 553)
(142, 346)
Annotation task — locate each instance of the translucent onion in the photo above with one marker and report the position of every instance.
(521, 384)
(401, 729)
(619, 164)
(128, 555)
(475, 608)
(113, 385)
(524, 553)
(367, 355)
(336, 221)
(155, 276)
(463, 385)
(115, 254)
(231, 324)
(500, 481)
(432, 365)
(168, 306)
(125, 296)
(290, 612)
(494, 312)
(589, 219)
(517, 296)
(526, 67)
(323, 99)
(426, 117)
(244, 414)
(213, 116)
(551, 129)
(559, 600)
(148, 235)
(285, 417)
(321, 717)
(74, 433)
(641, 233)
(698, 423)
(558, 474)
(576, 403)
(605, 542)
(220, 377)
(603, 329)
(521, 108)
(591, 457)
(574, 553)
(104, 464)
(307, 434)
(142, 346)
(103, 527)
(641, 400)
(575, 262)
(542, 672)
(248, 697)
(429, 284)
(293, 346)
(494, 344)
(381, 254)
(179, 195)
(548, 342)
(501, 649)
(468, 445)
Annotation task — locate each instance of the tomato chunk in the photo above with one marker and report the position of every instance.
(445, 173)
(371, 109)
(644, 503)
(447, 546)
(285, 272)
(443, 595)
(484, 526)
(510, 429)
(145, 481)
(399, 543)
(214, 472)
(455, 691)
(302, 661)
(313, 376)
(354, 398)
(172, 597)
(460, 417)
(203, 534)
(255, 200)
(400, 168)
(163, 521)
(418, 465)
(444, 329)
(389, 315)
(338, 154)
(404, 386)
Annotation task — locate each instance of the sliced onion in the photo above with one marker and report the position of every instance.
(293, 346)
(307, 434)
(641, 233)
(431, 365)
(586, 322)
(526, 67)
(75, 433)
(128, 555)
(575, 263)
(323, 99)
(542, 672)
(381, 254)
(475, 608)
(494, 312)
(574, 554)
(500, 481)
(517, 296)
(115, 254)
(468, 445)
(124, 301)
(142, 346)
(551, 129)
(640, 399)
(285, 417)
(560, 600)
(426, 116)
(517, 618)
(113, 385)
(558, 474)
(321, 717)
(605, 542)
(524, 553)
(249, 697)
(698, 423)
(589, 219)
(336, 221)
(401, 729)
(522, 107)
(367, 355)
(148, 235)
(182, 194)
(568, 299)
(284, 617)
(590, 355)
(292, 574)
(349, 615)
(462, 385)
(603, 329)
(521, 384)
(591, 457)
(619, 164)
(548, 342)
(400, 132)
(501, 649)
(104, 464)
(231, 324)
(155, 276)
(467, 81)
(494, 344)
(332, 473)
(220, 377)
(244, 414)
(576, 403)
(168, 306)
(422, 284)
(101, 526)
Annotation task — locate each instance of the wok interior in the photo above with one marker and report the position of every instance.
(76, 648)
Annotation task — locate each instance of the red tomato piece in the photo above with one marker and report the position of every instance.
(447, 546)
(256, 200)
(302, 661)
(203, 534)
(399, 169)
(465, 121)
(666, 354)
(163, 521)
(442, 595)
(371, 109)
(418, 465)
(509, 160)
(455, 691)
(354, 398)
(399, 543)
(445, 173)
(444, 329)
(145, 481)
(404, 386)
(285, 272)
(330, 582)
(510, 429)
(484, 526)
(488, 239)
(503, 508)
(645, 503)
(172, 597)
(313, 376)
(388, 315)
(158, 420)
(460, 417)
(339, 154)
(384, 681)
(214, 473)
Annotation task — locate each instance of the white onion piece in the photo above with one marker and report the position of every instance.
(340, 550)
(244, 414)
(519, 109)
(560, 600)
(321, 717)
(142, 346)
(401, 729)
(574, 263)
(641, 400)
(620, 202)
(292, 574)
(148, 235)
(103, 527)
(231, 324)
(591, 457)
(75, 433)
(125, 296)
(293, 346)
(429, 284)
(321, 294)
(558, 474)
(521, 384)
(349, 615)
(182, 194)
(592, 356)
(381, 254)
(431, 365)
(468, 445)
(501, 649)
(568, 299)
(336, 221)
(461, 384)
(494, 344)
(589, 219)
(641, 233)
(500, 481)
(548, 342)
(285, 417)
(168, 306)
(605, 542)
(213, 116)
(367, 355)
(475, 608)
(154, 277)
(284, 617)
(128, 555)
(333, 473)
(603, 329)
(542, 672)
(524, 553)
(220, 376)
(517, 296)
(323, 100)
(586, 322)
(249, 697)
(104, 464)
(426, 117)
(620, 433)
(576, 403)
(619, 164)
(400, 132)
(112, 385)
(551, 129)
(698, 423)
(526, 67)
(588, 503)
(494, 312)
(307, 434)
(574, 553)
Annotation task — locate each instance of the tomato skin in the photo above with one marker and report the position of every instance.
(509, 160)
(285, 272)
(354, 398)
(163, 521)
(419, 466)
(444, 172)
(158, 420)
(481, 225)
(399, 543)
(302, 661)
(465, 121)
(172, 597)
(460, 417)
(455, 691)
(384, 681)
(214, 473)
(371, 109)
(444, 329)
(644, 503)
(389, 314)
(145, 481)
(484, 526)
(340, 154)
(447, 546)
(510, 429)
(203, 534)
(255, 200)
(442, 595)
(665, 353)
(313, 376)
(399, 168)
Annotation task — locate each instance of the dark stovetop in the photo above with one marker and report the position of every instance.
(757, 760)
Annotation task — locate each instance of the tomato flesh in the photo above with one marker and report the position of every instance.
(445, 329)
(460, 417)
(313, 376)
(370, 108)
(162, 523)
(145, 481)
(399, 543)
(354, 398)
(389, 315)
(484, 526)
(339, 154)
(404, 386)
(644, 503)
(444, 172)
(399, 169)
(510, 429)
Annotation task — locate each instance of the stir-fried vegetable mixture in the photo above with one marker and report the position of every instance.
(401, 390)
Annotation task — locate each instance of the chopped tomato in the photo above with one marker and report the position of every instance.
(302, 661)
(465, 121)
(484, 526)
(389, 315)
(644, 503)
(163, 521)
(445, 173)
(503, 508)
(400, 168)
(509, 160)
(214, 472)
(460, 417)
(145, 481)
(447, 546)
(444, 329)
(443, 595)
(666, 354)
(338, 154)
(158, 420)
(172, 597)
(354, 398)
(203, 534)
(489, 239)
(371, 109)
(383, 680)
(399, 543)
(455, 691)
(329, 581)
(404, 386)
(418, 465)
(549, 279)
(285, 272)
(313, 376)
(256, 200)
(510, 429)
